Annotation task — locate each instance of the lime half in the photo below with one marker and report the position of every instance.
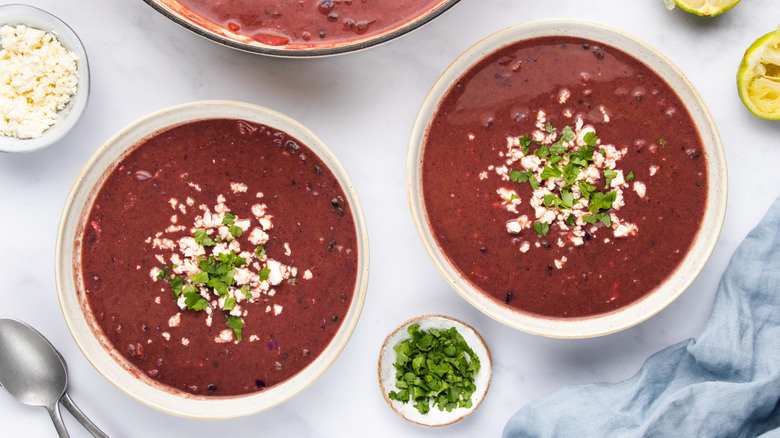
(707, 8)
(758, 77)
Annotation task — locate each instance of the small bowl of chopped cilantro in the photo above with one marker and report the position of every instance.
(44, 79)
(434, 370)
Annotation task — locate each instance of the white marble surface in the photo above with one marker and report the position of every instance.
(363, 105)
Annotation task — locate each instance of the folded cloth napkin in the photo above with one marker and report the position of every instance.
(726, 384)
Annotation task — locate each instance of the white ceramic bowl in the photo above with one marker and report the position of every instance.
(702, 246)
(71, 293)
(434, 418)
(176, 12)
(68, 116)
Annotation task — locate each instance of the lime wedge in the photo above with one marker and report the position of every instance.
(707, 8)
(758, 77)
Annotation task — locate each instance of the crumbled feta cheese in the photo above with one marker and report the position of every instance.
(238, 187)
(174, 320)
(653, 170)
(38, 77)
(225, 336)
(640, 189)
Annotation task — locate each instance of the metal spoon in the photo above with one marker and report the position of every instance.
(34, 373)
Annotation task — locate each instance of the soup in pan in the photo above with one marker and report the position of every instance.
(308, 23)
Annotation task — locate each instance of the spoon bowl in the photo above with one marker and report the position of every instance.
(31, 369)
(35, 373)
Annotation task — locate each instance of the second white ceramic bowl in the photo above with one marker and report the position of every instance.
(72, 296)
(701, 248)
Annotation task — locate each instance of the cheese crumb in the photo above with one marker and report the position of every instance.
(38, 77)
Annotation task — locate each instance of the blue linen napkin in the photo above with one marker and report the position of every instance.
(726, 384)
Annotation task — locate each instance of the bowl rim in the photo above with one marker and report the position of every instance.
(387, 353)
(103, 357)
(69, 116)
(712, 221)
(327, 50)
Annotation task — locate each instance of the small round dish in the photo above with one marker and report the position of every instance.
(435, 417)
(597, 324)
(16, 14)
(83, 324)
(275, 40)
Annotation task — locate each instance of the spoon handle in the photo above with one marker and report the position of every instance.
(56, 418)
(78, 415)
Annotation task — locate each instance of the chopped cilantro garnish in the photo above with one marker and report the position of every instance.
(551, 172)
(260, 252)
(235, 231)
(591, 139)
(202, 238)
(559, 162)
(435, 368)
(237, 324)
(567, 134)
(541, 228)
(609, 175)
(263, 274)
(229, 219)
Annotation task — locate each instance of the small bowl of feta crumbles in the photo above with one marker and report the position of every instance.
(44, 79)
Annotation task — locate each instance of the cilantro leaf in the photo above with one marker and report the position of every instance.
(237, 324)
(202, 238)
(229, 219)
(609, 175)
(541, 228)
(590, 139)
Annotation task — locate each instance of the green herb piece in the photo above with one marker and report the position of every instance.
(662, 142)
(558, 148)
(567, 134)
(550, 172)
(237, 324)
(609, 175)
(435, 368)
(247, 293)
(235, 231)
(229, 219)
(193, 300)
(202, 238)
(567, 199)
(264, 273)
(229, 304)
(260, 252)
(549, 200)
(541, 228)
(200, 278)
(590, 139)
(549, 128)
(630, 176)
(525, 144)
(163, 274)
(177, 283)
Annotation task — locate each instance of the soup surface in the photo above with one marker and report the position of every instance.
(219, 257)
(563, 177)
(308, 23)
